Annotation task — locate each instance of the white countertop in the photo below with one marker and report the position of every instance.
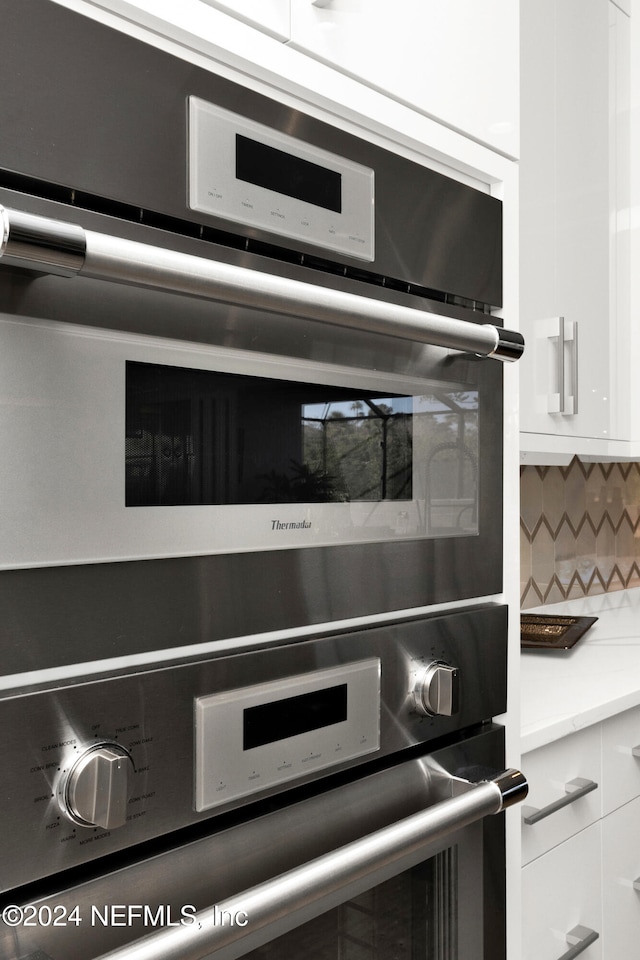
(565, 690)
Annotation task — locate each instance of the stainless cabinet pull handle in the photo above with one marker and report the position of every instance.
(562, 335)
(574, 790)
(556, 400)
(572, 399)
(636, 751)
(65, 249)
(311, 889)
(581, 938)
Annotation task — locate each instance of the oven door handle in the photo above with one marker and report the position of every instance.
(323, 883)
(66, 249)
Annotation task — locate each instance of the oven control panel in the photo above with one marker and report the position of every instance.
(252, 174)
(95, 766)
(263, 735)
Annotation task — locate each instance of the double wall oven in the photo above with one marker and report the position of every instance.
(251, 513)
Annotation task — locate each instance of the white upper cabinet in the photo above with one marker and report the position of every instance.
(574, 240)
(272, 16)
(454, 60)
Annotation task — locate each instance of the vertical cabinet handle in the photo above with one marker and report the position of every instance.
(571, 381)
(555, 335)
(574, 789)
(562, 336)
(580, 938)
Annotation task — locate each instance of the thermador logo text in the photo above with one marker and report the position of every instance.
(294, 525)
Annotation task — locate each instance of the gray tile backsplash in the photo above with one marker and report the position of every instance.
(579, 530)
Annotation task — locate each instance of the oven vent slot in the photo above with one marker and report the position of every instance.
(187, 228)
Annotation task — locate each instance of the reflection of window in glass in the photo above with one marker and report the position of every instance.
(446, 443)
(363, 444)
(205, 437)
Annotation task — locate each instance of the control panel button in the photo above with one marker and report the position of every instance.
(437, 689)
(98, 786)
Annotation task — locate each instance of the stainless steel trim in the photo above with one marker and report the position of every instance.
(574, 368)
(324, 879)
(575, 789)
(560, 365)
(509, 345)
(51, 245)
(580, 938)
(513, 786)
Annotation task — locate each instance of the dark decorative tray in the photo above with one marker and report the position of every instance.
(552, 633)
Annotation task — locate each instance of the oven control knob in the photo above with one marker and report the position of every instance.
(436, 691)
(98, 787)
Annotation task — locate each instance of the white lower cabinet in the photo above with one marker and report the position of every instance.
(565, 793)
(621, 765)
(620, 871)
(581, 844)
(562, 902)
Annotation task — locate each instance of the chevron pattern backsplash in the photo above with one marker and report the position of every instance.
(579, 530)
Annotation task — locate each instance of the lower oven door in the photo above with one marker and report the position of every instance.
(403, 863)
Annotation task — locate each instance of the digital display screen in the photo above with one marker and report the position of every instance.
(286, 174)
(270, 722)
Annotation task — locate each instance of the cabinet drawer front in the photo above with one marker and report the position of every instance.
(620, 868)
(549, 770)
(620, 767)
(562, 891)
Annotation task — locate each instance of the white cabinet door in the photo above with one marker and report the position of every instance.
(565, 218)
(455, 60)
(269, 15)
(621, 868)
(561, 894)
(620, 764)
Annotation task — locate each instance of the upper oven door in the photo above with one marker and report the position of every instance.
(369, 491)
(124, 448)
(272, 471)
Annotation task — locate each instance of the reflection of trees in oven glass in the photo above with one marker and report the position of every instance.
(364, 445)
(206, 437)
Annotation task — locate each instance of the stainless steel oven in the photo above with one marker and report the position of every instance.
(251, 415)
(328, 797)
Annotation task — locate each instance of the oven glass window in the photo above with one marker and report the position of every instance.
(203, 437)
(414, 916)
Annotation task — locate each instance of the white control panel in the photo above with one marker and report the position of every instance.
(249, 173)
(252, 738)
